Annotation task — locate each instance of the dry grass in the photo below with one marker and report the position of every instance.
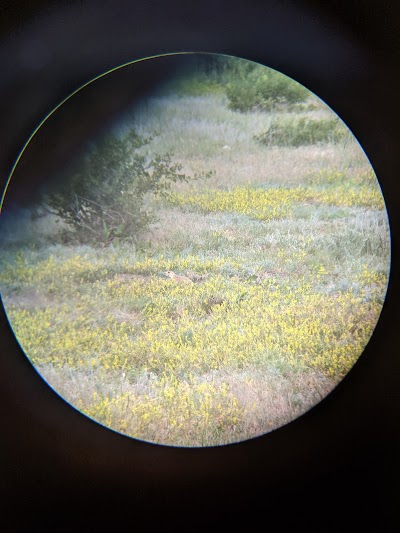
(273, 399)
(269, 398)
(273, 165)
(209, 136)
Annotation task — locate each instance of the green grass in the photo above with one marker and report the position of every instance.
(289, 251)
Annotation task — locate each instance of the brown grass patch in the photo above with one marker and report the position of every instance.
(286, 165)
(273, 399)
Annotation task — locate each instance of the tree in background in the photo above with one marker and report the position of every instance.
(254, 86)
(248, 86)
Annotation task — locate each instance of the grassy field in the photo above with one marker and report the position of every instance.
(287, 247)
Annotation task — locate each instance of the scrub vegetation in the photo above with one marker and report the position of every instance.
(287, 245)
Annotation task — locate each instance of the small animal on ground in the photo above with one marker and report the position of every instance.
(177, 278)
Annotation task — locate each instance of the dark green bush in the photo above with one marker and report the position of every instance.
(108, 197)
(204, 74)
(248, 85)
(302, 131)
(193, 86)
(257, 87)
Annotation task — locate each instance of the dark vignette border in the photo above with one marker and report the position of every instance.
(335, 468)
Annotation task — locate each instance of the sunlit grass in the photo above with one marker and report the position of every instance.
(276, 202)
(219, 322)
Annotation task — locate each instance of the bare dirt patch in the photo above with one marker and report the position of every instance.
(29, 299)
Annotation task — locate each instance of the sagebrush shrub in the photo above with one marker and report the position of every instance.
(109, 196)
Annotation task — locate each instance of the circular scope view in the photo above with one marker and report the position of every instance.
(207, 260)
